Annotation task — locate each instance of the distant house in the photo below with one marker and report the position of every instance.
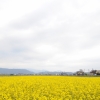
(95, 72)
(63, 73)
(80, 72)
(98, 72)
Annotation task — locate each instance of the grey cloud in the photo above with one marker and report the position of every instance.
(71, 32)
(35, 18)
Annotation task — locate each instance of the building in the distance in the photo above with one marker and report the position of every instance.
(95, 72)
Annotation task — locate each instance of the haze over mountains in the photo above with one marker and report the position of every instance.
(14, 71)
(25, 71)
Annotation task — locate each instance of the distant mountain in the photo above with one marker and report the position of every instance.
(37, 71)
(56, 73)
(32, 71)
(49, 72)
(14, 71)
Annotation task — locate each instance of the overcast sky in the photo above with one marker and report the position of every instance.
(62, 35)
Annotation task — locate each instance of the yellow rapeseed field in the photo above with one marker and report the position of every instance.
(49, 88)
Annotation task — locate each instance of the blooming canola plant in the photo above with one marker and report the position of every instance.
(49, 88)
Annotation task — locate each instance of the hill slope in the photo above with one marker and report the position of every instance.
(14, 71)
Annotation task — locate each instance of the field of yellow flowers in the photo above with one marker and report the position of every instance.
(49, 88)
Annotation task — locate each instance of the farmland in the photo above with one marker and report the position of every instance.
(49, 88)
